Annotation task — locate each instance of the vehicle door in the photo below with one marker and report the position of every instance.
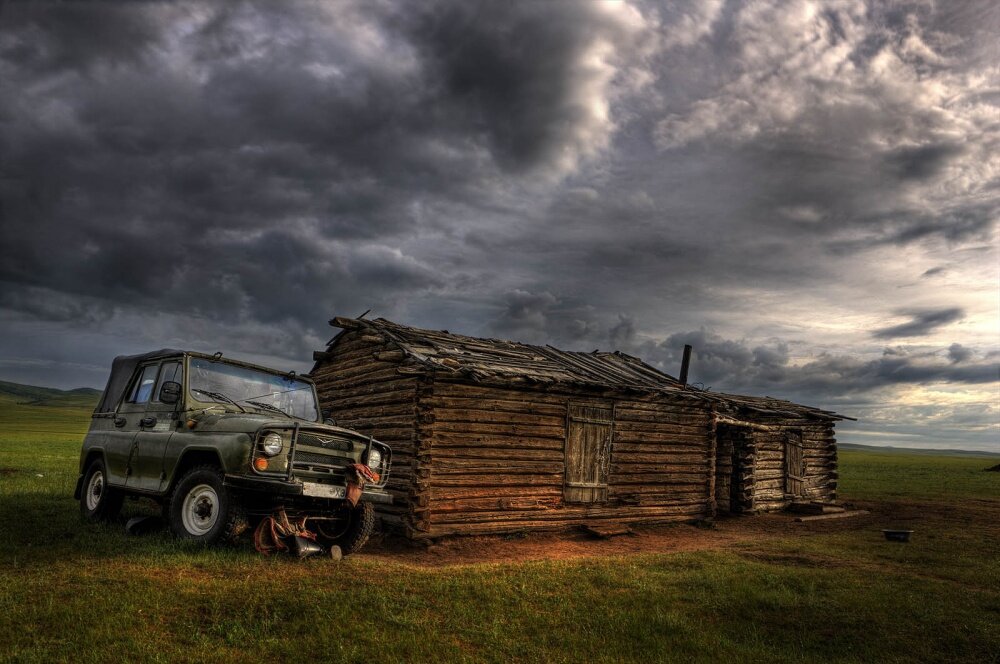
(156, 428)
(128, 417)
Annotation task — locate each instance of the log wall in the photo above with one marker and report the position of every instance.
(496, 461)
(819, 454)
(369, 395)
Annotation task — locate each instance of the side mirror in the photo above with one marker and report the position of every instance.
(170, 392)
(328, 418)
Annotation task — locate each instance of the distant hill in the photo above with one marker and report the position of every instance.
(31, 395)
(914, 450)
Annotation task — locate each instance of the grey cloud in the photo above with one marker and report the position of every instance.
(922, 323)
(730, 365)
(582, 174)
(922, 162)
(958, 353)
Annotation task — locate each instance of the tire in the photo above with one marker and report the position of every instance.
(360, 526)
(98, 501)
(202, 510)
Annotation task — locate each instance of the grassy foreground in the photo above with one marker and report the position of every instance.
(77, 592)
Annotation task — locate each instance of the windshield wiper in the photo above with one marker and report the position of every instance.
(219, 396)
(266, 406)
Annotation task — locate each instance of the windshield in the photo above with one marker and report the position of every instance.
(251, 389)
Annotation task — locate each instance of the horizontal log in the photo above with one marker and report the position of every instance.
(477, 452)
(499, 405)
(477, 416)
(664, 427)
(334, 382)
(659, 479)
(459, 493)
(635, 457)
(396, 409)
(458, 466)
(449, 530)
(672, 438)
(503, 479)
(567, 514)
(525, 430)
(639, 468)
(673, 447)
(494, 504)
(402, 394)
(328, 391)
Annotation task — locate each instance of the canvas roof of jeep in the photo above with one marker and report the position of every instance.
(122, 369)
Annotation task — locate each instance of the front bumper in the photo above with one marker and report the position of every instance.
(283, 488)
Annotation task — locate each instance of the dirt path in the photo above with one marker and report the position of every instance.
(728, 531)
(670, 538)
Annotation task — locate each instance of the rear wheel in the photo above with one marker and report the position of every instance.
(360, 526)
(98, 501)
(202, 510)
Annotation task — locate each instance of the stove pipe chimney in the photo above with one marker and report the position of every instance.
(685, 364)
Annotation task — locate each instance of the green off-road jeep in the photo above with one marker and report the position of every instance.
(220, 443)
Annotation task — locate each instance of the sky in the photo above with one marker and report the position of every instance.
(806, 192)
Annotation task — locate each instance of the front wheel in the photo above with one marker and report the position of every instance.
(202, 510)
(360, 526)
(99, 502)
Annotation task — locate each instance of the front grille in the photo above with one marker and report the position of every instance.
(310, 457)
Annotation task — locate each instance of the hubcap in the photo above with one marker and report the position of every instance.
(95, 489)
(200, 510)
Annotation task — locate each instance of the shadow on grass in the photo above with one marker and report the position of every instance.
(37, 529)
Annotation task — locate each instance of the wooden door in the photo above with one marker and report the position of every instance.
(588, 452)
(795, 467)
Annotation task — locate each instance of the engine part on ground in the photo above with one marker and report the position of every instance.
(277, 533)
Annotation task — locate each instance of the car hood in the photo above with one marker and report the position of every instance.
(250, 422)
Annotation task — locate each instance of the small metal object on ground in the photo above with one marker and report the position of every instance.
(834, 515)
(604, 532)
(897, 535)
(336, 553)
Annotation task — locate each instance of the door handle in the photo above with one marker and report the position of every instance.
(147, 421)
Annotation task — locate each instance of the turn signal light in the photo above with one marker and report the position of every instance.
(192, 424)
(260, 463)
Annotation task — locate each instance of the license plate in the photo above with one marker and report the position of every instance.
(317, 490)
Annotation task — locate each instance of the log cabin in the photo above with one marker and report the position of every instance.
(492, 436)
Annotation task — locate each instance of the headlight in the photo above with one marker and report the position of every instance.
(374, 459)
(272, 444)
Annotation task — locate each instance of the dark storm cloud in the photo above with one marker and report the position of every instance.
(726, 364)
(921, 323)
(959, 353)
(582, 174)
(922, 162)
(269, 158)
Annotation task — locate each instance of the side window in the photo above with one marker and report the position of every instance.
(143, 387)
(168, 371)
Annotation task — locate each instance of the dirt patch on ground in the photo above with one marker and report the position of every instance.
(728, 532)
(4, 471)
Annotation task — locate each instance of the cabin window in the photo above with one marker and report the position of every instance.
(588, 452)
(795, 464)
(143, 387)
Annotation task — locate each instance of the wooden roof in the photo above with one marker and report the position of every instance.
(501, 361)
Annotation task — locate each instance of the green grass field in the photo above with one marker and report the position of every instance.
(79, 592)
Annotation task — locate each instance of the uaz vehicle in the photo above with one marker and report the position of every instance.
(219, 442)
